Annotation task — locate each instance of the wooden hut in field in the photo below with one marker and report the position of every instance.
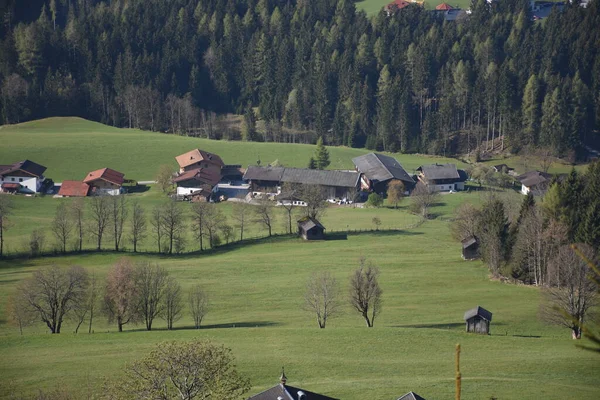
(470, 248)
(478, 320)
(310, 229)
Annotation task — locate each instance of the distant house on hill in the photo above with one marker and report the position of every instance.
(310, 229)
(197, 158)
(105, 181)
(444, 7)
(74, 189)
(197, 179)
(283, 391)
(23, 176)
(534, 182)
(470, 248)
(395, 5)
(503, 168)
(411, 396)
(378, 170)
(478, 320)
(442, 177)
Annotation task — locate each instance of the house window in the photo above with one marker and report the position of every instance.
(20, 179)
(12, 179)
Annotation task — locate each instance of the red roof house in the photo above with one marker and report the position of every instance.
(74, 189)
(105, 181)
(444, 7)
(396, 5)
(199, 159)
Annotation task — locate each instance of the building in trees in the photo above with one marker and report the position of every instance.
(534, 182)
(442, 177)
(470, 248)
(378, 170)
(23, 176)
(105, 181)
(310, 229)
(284, 391)
(478, 320)
(411, 395)
(335, 184)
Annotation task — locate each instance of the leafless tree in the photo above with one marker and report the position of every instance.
(546, 159)
(62, 226)
(321, 297)
(85, 309)
(173, 302)
(226, 232)
(199, 304)
(573, 298)
(172, 220)
(138, 224)
(200, 215)
(19, 311)
(37, 240)
(395, 192)
(422, 198)
(150, 282)
(241, 214)
(315, 199)
(53, 292)
(365, 293)
(465, 222)
(289, 192)
(214, 222)
(6, 210)
(157, 226)
(77, 210)
(164, 178)
(100, 213)
(121, 294)
(265, 215)
(118, 215)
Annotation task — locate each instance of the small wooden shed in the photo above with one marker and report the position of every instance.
(470, 248)
(478, 320)
(310, 229)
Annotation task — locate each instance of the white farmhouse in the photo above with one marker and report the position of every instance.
(24, 177)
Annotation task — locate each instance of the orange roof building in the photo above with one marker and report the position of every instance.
(444, 7)
(199, 159)
(105, 181)
(74, 189)
(396, 5)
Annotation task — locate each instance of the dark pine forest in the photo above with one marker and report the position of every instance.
(407, 82)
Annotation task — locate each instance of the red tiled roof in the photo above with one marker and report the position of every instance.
(444, 7)
(74, 189)
(197, 155)
(9, 185)
(208, 176)
(106, 174)
(399, 4)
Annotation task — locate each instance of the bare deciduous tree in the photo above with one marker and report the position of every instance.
(241, 214)
(138, 224)
(157, 230)
(183, 370)
(150, 282)
(365, 293)
(100, 213)
(199, 305)
(19, 311)
(200, 214)
(77, 210)
(37, 240)
(315, 199)
(573, 298)
(62, 226)
(53, 292)
(6, 209)
(164, 178)
(265, 215)
(172, 220)
(465, 222)
(118, 215)
(422, 198)
(289, 192)
(173, 302)
(395, 192)
(120, 294)
(321, 297)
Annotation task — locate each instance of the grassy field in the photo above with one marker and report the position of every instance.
(374, 6)
(256, 291)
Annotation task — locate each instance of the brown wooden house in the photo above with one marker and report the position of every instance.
(470, 248)
(310, 229)
(478, 320)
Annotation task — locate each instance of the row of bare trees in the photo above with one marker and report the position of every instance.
(131, 293)
(322, 295)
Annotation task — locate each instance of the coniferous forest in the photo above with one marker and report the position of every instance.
(407, 82)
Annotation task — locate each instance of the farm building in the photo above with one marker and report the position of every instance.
(287, 392)
(442, 177)
(378, 170)
(470, 248)
(504, 169)
(105, 181)
(74, 189)
(310, 229)
(197, 179)
(199, 159)
(478, 320)
(411, 396)
(336, 184)
(23, 176)
(535, 182)
(199, 196)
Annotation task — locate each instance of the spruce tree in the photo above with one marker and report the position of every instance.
(321, 158)
(531, 111)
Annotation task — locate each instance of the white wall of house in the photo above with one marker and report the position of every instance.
(446, 187)
(28, 184)
(299, 203)
(110, 192)
(185, 190)
(525, 190)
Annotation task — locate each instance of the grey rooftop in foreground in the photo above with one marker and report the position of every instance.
(478, 311)
(379, 167)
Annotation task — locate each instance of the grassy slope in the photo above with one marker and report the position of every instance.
(71, 147)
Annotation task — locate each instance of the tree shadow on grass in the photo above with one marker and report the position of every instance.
(137, 189)
(386, 232)
(451, 325)
(247, 324)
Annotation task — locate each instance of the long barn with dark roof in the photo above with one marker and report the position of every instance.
(378, 170)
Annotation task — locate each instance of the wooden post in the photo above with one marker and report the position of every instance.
(458, 376)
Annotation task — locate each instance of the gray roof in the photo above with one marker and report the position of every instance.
(439, 171)
(288, 392)
(307, 223)
(378, 167)
(27, 166)
(303, 175)
(263, 173)
(411, 396)
(533, 178)
(480, 311)
(468, 242)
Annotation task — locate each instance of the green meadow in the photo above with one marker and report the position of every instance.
(374, 6)
(256, 290)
